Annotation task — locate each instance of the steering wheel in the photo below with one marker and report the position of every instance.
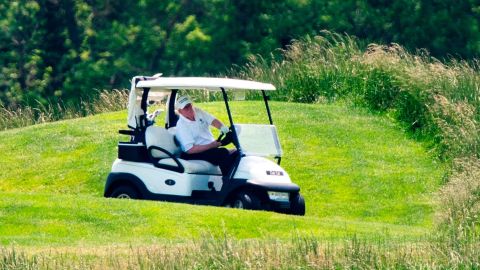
(226, 138)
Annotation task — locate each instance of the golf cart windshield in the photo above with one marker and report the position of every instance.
(259, 140)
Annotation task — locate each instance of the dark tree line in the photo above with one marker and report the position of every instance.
(65, 49)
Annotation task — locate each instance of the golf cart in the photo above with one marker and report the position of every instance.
(149, 167)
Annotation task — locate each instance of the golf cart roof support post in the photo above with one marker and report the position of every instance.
(143, 106)
(172, 117)
(225, 98)
(143, 103)
(235, 164)
(235, 137)
(265, 98)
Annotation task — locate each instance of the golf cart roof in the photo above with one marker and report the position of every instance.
(156, 87)
(202, 83)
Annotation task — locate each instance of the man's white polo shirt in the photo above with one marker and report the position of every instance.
(190, 133)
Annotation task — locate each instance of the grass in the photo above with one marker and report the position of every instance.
(226, 253)
(434, 101)
(359, 173)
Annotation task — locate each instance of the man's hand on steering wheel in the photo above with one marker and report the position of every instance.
(224, 129)
(225, 137)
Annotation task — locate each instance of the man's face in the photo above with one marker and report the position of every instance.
(188, 112)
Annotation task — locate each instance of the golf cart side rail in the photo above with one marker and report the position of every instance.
(179, 168)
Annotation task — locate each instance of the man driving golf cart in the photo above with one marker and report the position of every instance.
(151, 164)
(195, 138)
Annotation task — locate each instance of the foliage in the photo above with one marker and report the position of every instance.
(63, 50)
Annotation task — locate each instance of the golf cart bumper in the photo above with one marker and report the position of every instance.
(275, 186)
(279, 195)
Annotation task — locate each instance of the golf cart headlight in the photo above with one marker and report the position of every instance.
(278, 196)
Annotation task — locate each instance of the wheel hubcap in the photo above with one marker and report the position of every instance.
(238, 204)
(123, 196)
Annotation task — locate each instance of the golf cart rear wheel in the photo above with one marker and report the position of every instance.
(297, 205)
(125, 192)
(246, 200)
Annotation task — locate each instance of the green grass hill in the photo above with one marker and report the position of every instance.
(360, 175)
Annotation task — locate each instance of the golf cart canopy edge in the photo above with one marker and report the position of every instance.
(202, 83)
(144, 86)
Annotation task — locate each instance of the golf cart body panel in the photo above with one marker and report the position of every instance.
(149, 165)
(116, 180)
(253, 167)
(163, 181)
(182, 184)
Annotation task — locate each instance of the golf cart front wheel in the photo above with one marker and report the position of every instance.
(297, 205)
(125, 192)
(246, 200)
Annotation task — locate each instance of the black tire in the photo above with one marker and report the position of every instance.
(125, 192)
(297, 205)
(246, 200)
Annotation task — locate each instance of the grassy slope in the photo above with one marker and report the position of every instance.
(358, 172)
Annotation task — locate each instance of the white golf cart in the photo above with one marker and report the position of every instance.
(149, 167)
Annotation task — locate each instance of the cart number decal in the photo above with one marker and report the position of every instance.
(275, 173)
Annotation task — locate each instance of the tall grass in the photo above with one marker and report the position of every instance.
(434, 100)
(21, 116)
(227, 253)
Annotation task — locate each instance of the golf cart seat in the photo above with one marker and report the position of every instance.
(164, 153)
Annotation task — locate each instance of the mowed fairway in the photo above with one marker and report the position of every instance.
(360, 175)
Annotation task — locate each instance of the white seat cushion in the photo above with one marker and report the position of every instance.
(158, 136)
(193, 166)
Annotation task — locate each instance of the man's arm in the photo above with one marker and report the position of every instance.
(216, 123)
(212, 120)
(201, 148)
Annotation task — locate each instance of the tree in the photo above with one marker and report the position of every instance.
(51, 49)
